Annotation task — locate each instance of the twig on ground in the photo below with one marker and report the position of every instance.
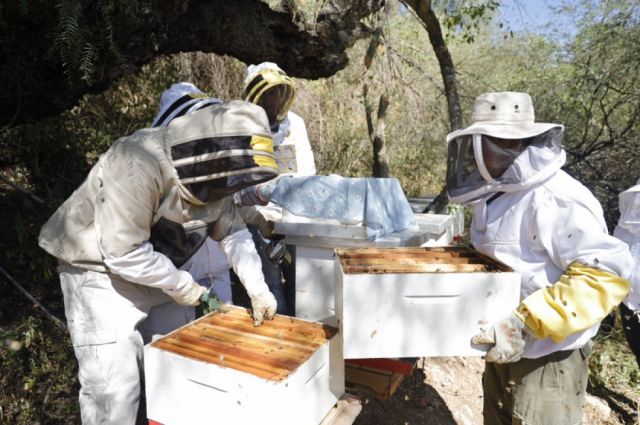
(31, 298)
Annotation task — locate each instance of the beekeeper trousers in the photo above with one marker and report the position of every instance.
(110, 320)
(548, 390)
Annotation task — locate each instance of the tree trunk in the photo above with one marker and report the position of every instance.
(422, 8)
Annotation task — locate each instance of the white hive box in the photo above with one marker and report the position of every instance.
(419, 302)
(221, 368)
(316, 239)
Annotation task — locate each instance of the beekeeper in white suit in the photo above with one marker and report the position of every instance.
(209, 266)
(268, 86)
(628, 230)
(532, 216)
(145, 208)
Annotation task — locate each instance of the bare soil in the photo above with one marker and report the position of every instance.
(448, 391)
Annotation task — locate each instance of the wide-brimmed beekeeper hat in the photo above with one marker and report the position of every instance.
(505, 115)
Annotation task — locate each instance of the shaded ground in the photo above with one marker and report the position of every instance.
(447, 391)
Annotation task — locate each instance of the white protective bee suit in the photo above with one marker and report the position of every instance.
(145, 208)
(628, 230)
(534, 217)
(294, 157)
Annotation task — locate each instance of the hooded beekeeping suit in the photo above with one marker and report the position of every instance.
(145, 208)
(268, 86)
(628, 230)
(534, 217)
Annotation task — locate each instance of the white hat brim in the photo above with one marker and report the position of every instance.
(504, 130)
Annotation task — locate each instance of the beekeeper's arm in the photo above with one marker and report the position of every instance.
(596, 268)
(127, 200)
(594, 281)
(261, 194)
(305, 160)
(238, 246)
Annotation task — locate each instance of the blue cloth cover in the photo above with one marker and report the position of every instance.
(379, 204)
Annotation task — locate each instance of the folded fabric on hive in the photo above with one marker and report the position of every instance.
(379, 204)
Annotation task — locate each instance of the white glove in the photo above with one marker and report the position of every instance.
(264, 307)
(190, 295)
(507, 337)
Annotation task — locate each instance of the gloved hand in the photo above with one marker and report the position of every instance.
(190, 296)
(255, 195)
(209, 302)
(264, 307)
(507, 335)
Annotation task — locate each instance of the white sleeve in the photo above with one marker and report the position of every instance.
(628, 231)
(633, 241)
(243, 257)
(304, 154)
(147, 267)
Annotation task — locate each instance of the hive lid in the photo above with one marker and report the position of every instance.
(417, 260)
(271, 351)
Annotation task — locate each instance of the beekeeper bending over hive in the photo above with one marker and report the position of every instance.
(532, 216)
(145, 208)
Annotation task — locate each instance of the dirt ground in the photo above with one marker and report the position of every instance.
(448, 391)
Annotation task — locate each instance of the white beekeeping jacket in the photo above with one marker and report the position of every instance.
(539, 232)
(628, 230)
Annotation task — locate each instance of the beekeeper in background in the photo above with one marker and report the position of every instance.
(268, 86)
(628, 230)
(532, 216)
(145, 208)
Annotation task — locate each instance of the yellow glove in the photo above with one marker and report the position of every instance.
(581, 298)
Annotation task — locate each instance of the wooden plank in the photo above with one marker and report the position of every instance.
(379, 383)
(311, 339)
(279, 322)
(256, 343)
(426, 254)
(222, 349)
(344, 412)
(199, 353)
(416, 268)
(387, 365)
(406, 260)
(443, 252)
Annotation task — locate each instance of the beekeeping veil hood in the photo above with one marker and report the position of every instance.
(262, 77)
(221, 149)
(503, 150)
(181, 99)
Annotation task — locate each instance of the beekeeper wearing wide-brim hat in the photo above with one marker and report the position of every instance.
(534, 217)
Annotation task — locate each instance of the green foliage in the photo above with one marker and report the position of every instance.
(78, 46)
(612, 365)
(463, 19)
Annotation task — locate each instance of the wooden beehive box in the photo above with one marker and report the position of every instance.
(419, 302)
(222, 368)
(316, 239)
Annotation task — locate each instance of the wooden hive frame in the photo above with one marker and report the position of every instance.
(271, 351)
(416, 260)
